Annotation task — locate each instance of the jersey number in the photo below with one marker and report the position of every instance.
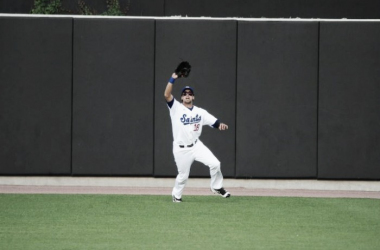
(196, 127)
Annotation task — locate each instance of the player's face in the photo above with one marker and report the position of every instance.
(187, 97)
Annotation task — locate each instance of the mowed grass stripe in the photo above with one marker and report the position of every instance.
(200, 222)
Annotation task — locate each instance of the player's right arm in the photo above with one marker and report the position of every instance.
(169, 87)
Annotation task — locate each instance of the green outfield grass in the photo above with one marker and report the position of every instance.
(200, 222)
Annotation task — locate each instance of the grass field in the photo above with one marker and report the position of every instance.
(201, 222)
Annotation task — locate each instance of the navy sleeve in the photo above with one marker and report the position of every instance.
(216, 124)
(170, 104)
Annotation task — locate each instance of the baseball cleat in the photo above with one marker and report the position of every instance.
(176, 200)
(222, 192)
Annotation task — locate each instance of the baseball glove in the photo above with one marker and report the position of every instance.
(183, 69)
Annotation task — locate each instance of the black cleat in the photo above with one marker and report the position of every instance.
(222, 192)
(176, 200)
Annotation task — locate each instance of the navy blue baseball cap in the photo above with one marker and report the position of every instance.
(189, 88)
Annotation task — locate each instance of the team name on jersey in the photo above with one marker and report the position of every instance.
(190, 120)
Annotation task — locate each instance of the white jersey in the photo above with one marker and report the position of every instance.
(187, 123)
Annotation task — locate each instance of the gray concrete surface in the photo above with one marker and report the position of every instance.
(195, 186)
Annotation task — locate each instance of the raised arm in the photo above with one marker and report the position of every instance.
(168, 91)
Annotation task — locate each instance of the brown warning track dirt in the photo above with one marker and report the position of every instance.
(34, 189)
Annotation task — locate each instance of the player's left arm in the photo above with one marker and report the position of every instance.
(219, 125)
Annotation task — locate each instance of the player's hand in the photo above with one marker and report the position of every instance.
(183, 69)
(175, 76)
(223, 126)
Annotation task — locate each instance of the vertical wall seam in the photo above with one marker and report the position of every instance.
(72, 96)
(236, 90)
(154, 95)
(318, 72)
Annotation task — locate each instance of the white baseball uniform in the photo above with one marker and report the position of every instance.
(187, 127)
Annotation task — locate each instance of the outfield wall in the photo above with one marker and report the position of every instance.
(84, 96)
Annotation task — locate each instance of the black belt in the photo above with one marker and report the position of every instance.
(188, 146)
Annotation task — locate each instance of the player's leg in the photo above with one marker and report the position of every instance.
(204, 155)
(183, 159)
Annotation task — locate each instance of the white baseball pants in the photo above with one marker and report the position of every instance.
(184, 158)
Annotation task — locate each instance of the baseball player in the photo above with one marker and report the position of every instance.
(187, 121)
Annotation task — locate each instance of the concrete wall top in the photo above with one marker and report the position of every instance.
(197, 18)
